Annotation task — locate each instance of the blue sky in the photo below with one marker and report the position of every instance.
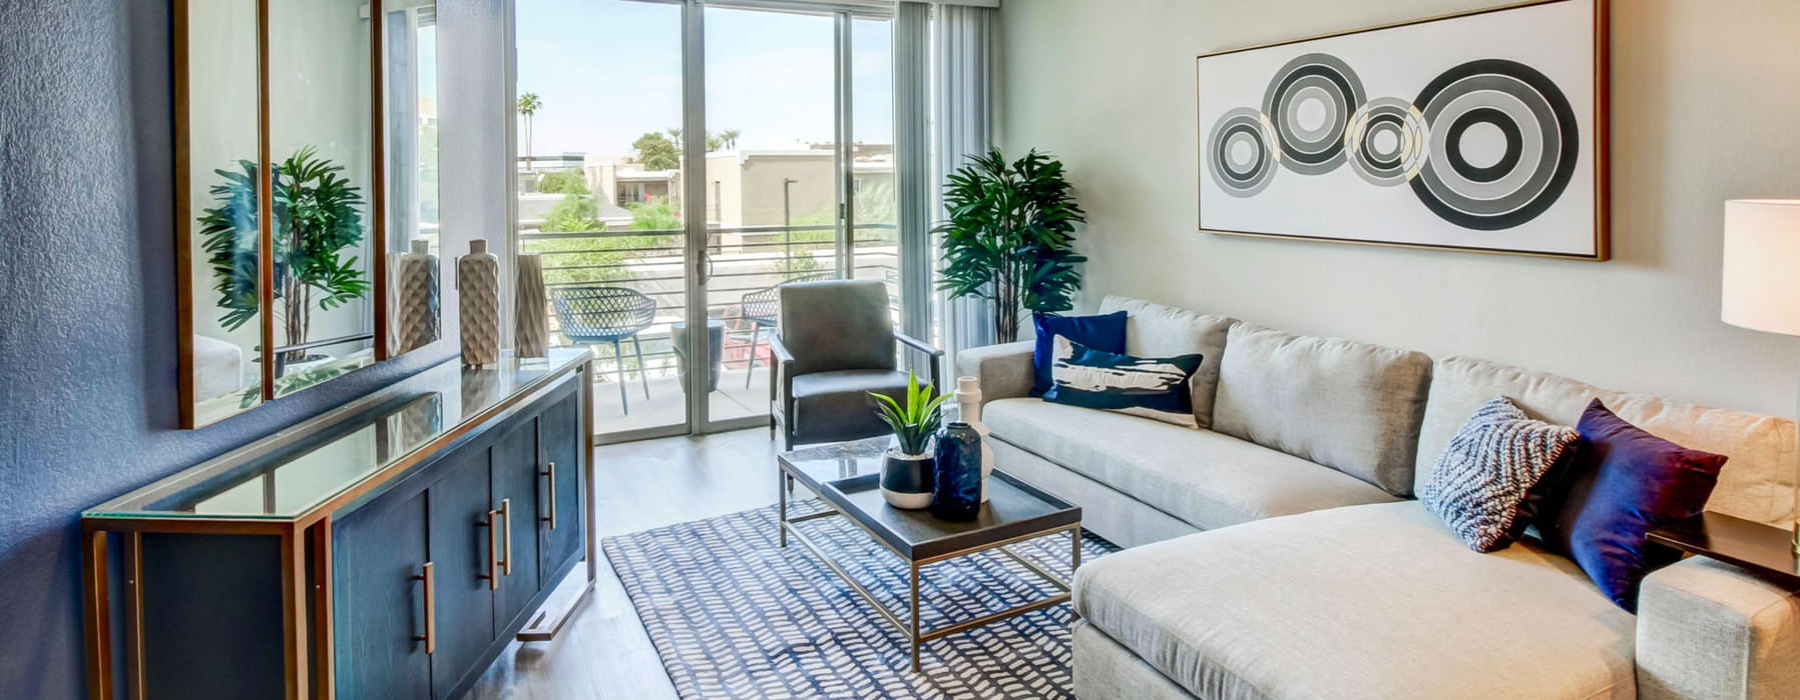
(607, 71)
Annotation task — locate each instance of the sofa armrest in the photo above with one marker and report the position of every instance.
(1707, 629)
(1005, 370)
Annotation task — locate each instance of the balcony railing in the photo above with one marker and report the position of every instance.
(744, 260)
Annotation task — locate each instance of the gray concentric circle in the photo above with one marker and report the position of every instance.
(1320, 79)
(1538, 165)
(1387, 141)
(1241, 152)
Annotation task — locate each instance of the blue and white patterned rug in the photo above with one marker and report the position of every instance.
(735, 616)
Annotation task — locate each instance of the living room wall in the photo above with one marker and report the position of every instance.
(88, 409)
(1702, 112)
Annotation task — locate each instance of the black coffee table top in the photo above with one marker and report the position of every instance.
(1749, 544)
(847, 476)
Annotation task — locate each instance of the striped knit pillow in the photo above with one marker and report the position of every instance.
(1478, 484)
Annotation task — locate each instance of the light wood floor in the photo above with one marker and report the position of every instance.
(603, 651)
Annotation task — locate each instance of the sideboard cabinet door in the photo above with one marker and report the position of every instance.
(460, 545)
(562, 435)
(515, 482)
(379, 556)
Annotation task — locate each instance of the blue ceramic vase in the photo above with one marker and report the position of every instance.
(956, 492)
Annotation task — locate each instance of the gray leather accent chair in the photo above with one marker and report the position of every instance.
(836, 344)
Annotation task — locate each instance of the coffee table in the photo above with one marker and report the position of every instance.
(846, 477)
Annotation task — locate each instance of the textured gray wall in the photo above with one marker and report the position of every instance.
(87, 309)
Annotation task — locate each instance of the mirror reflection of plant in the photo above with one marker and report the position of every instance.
(317, 217)
(294, 382)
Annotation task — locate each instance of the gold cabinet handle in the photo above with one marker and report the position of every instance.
(493, 563)
(430, 636)
(506, 529)
(550, 473)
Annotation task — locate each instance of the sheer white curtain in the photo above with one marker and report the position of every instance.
(962, 40)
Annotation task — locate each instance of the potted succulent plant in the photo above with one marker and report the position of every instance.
(906, 476)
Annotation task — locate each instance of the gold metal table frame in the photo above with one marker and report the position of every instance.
(910, 628)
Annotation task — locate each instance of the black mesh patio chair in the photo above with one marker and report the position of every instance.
(598, 314)
(762, 309)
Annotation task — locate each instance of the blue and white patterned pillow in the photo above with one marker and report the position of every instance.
(1150, 387)
(1481, 480)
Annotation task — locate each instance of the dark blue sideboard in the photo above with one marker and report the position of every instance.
(389, 549)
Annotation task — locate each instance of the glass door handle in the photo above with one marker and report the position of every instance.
(703, 266)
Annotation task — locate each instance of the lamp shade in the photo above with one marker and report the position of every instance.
(1762, 265)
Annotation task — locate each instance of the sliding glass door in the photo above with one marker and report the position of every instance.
(690, 158)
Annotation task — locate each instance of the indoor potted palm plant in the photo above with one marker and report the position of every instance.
(1010, 237)
(906, 475)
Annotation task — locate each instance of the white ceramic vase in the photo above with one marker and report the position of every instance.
(531, 320)
(968, 402)
(478, 304)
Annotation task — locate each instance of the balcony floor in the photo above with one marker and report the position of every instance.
(667, 404)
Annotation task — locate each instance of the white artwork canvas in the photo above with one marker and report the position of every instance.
(1480, 131)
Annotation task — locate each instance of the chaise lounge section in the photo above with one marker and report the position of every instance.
(1275, 552)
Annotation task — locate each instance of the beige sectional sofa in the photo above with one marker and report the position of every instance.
(1276, 552)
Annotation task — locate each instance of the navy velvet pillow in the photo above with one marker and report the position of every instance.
(1624, 483)
(1103, 332)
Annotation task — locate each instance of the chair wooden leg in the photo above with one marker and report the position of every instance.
(643, 372)
(750, 364)
(619, 359)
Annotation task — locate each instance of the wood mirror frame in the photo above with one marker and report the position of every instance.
(233, 355)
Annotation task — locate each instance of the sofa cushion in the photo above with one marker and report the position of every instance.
(1350, 406)
(1624, 484)
(1372, 601)
(1103, 332)
(1155, 330)
(1204, 478)
(1757, 482)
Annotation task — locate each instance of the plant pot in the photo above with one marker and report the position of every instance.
(956, 492)
(906, 480)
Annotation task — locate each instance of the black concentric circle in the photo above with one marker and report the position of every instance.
(1385, 141)
(1509, 132)
(1241, 152)
(1321, 84)
(1542, 144)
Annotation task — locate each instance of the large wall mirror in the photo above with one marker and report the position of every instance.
(307, 193)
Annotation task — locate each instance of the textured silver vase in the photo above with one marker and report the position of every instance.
(413, 311)
(531, 320)
(478, 304)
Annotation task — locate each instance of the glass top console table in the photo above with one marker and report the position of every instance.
(455, 493)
